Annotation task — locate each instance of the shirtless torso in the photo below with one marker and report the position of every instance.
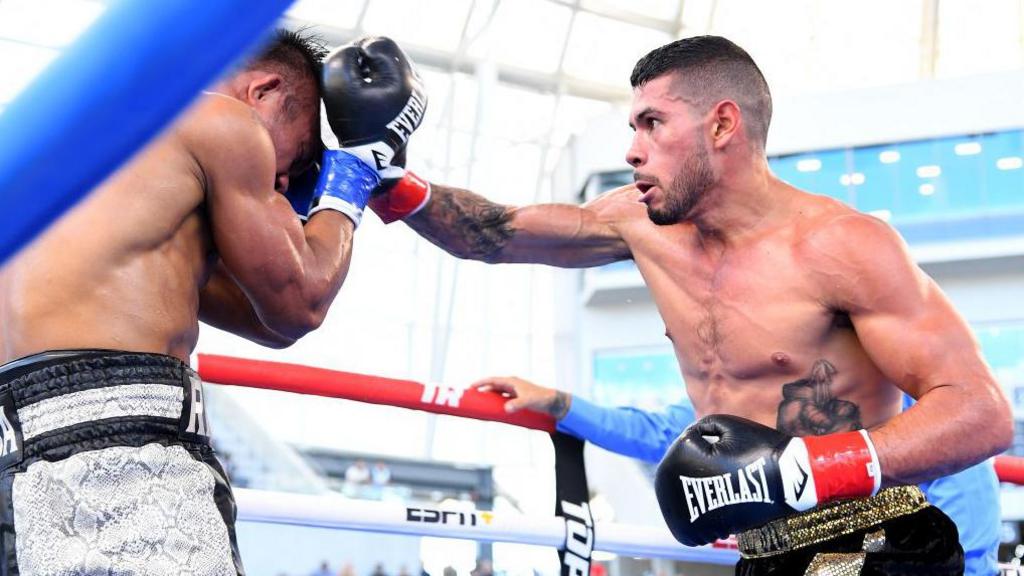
(754, 327)
(747, 322)
(191, 228)
(812, 321)
(123, 269)
(785, 308)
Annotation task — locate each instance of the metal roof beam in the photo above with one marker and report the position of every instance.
(445, 61)
(629, 17)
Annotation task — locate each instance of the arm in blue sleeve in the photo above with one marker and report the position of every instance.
(628, 431)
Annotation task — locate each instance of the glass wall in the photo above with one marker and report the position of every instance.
(649, 377)
(936, 189)
(959, 179)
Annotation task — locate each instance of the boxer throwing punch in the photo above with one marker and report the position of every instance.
(107, 466)
(796, 321)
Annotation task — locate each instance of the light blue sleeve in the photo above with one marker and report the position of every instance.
(971, 499)
(628, 431)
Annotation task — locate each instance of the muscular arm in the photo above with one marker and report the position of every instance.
(468, 225)
(223, 305)
(289, 272)
(914, 335)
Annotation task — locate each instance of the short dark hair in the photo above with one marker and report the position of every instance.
(295, 54)
(712, 68)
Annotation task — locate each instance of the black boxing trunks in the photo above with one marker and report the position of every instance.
(106, 468)
(895, 532)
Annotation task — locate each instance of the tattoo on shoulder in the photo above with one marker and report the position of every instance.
(809, 409)
(465, 224)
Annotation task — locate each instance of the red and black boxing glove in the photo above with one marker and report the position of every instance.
(373, 101)
(727, 474)
(401, 198)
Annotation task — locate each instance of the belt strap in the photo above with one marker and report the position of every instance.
(830, 521)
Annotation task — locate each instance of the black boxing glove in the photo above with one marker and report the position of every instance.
(373, 101)
(377, 68)
(727, 474)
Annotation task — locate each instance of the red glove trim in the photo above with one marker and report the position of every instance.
(407, 197)
(844, 465)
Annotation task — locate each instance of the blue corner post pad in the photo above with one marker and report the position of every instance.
(107, 94)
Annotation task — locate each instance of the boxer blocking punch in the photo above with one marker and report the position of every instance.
(107, 466)
(798, 317)
(364, 82)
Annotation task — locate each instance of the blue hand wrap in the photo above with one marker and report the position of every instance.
(345, 184)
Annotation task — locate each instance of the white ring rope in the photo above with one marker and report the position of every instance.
(398, 518)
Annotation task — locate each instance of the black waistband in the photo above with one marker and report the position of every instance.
(47, 375)
(56, 372)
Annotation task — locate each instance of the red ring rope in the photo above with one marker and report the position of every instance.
(468, 403)
(1010, 469)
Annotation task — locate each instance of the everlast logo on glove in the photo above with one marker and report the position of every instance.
(410, 117)
(749, 484)
(751, 474)
(390, 94)
(401, 128)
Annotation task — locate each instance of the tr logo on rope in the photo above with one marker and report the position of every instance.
(441, 395)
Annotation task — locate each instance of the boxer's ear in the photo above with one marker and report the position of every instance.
(726, 121)
(263, 85)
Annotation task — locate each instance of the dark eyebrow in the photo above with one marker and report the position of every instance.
(641, 116)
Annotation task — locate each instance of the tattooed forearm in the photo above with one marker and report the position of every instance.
(809, 409)
(559, 406)
(464, 224)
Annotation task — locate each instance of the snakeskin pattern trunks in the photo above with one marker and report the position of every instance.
(106, 468)
(894, 532)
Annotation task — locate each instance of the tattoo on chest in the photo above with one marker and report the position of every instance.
(809, 409)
